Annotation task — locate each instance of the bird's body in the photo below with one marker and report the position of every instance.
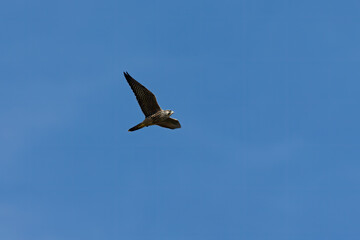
(154, 115)
(156, 118)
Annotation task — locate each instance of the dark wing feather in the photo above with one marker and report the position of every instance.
(170, 123)
(145, 98)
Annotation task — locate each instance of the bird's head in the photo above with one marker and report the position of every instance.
(169, 112)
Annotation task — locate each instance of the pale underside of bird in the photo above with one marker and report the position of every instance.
(154, 115)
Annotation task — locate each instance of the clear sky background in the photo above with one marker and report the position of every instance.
(267, 93)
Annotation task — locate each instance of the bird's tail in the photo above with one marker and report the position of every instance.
(137, 127)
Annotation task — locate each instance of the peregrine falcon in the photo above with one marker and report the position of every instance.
(154, 115)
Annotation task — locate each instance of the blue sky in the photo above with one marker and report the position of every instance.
(267, 93)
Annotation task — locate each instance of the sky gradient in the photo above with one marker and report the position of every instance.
(267, 93)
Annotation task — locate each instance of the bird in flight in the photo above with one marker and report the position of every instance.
(154, 115)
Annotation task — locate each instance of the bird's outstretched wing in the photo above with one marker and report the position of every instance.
(145, 98)
(171, 123)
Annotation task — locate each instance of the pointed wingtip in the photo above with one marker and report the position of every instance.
(127, 76)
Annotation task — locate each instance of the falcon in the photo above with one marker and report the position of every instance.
(154, 115)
